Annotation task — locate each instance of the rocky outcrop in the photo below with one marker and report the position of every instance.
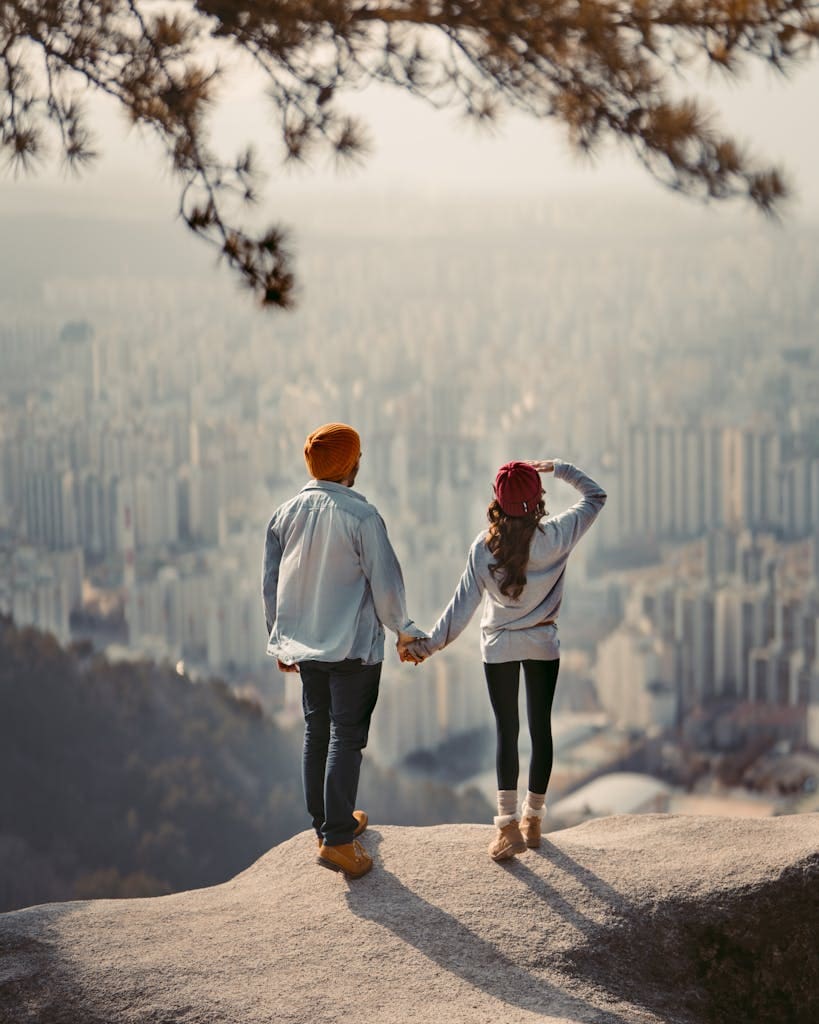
(624, 920)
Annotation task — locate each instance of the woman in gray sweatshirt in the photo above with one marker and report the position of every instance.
(519, 563)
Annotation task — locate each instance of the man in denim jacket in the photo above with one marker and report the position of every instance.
(331, 582)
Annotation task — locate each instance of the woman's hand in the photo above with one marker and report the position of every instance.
(542, 466)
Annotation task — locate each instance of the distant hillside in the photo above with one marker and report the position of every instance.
(126, 780)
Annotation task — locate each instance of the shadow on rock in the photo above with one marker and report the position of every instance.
(35, 987)
(450, 944)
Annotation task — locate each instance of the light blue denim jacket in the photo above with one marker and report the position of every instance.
(331, 580)
(515, 630)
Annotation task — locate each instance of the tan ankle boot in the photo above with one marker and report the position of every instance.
(350, 858)
(531, 823)
(507, 842)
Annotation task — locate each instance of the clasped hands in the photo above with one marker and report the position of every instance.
(411, 648)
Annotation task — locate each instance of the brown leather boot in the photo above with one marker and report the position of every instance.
(350, 858)
(530, 825)
(361, 818)
(507, 842)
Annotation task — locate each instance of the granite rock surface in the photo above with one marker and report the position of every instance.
(623, 920)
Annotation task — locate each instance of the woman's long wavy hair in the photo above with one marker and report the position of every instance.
(509, 539)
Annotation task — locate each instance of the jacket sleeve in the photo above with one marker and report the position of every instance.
(457, 614)
(270, 574)
(567, 528)
(380, 565)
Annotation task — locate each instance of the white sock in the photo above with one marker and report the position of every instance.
(507, 801)
(507, 807)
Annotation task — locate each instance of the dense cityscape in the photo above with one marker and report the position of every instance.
(150, 423)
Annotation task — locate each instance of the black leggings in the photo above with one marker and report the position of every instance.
(541, 681)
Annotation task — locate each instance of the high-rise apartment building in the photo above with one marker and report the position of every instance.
(50, 508)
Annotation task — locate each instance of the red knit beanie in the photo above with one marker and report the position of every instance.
(518, 488)
(332, 451)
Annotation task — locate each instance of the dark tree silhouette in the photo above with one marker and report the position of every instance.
(605, 68)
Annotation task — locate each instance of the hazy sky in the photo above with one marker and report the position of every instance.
(418, 150)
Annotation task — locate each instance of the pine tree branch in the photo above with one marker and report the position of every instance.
(605, 69)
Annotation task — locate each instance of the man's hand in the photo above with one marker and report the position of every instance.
(542, 465)
(405, 655)
(406, 637)
(286, 668)
(414, 651)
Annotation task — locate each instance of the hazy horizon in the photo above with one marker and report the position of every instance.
(417, 151)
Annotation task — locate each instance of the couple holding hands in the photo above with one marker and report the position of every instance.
(331, 582)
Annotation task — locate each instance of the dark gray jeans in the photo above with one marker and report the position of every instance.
(338, 699)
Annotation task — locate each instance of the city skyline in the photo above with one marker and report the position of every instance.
(464, 296)
(164, 391)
